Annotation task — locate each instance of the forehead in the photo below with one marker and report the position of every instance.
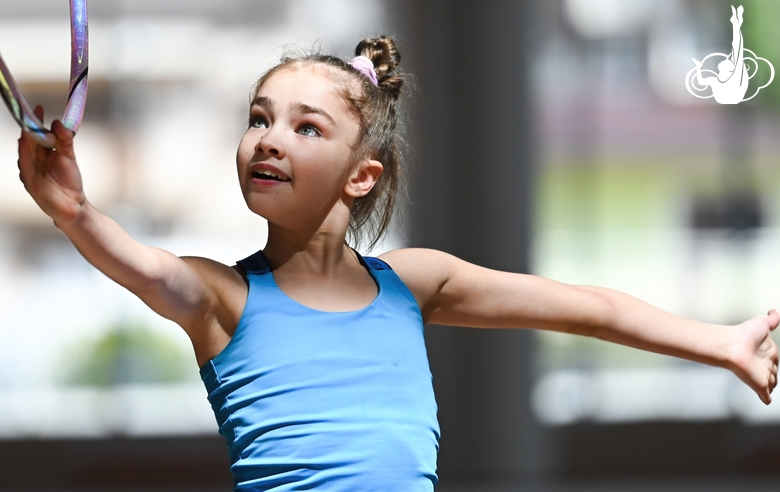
(308, 85)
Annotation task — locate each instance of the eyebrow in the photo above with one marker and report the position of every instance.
(267, 104)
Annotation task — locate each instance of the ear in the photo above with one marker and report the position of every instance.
(363, 178)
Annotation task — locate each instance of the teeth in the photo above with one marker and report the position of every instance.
(270, 174)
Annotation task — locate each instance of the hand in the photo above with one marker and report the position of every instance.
(697, 62)
(754, 357)
(736, 16)
(51, 176)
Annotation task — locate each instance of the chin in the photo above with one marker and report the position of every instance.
(257, 208)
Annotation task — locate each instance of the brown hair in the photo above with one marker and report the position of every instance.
(376, 108)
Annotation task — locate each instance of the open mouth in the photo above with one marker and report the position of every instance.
(267, 175)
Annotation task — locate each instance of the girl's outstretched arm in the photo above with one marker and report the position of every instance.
(453, 292)
(187, 291)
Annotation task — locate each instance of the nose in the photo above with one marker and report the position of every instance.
(270, 144)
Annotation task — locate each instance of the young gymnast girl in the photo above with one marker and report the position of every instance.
(313, 356)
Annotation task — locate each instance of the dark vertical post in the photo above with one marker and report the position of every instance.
(471, 185)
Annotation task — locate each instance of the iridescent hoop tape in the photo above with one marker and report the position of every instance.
(77, 96)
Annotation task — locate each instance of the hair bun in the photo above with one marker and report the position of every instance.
(385, 56)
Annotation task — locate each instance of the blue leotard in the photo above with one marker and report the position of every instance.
(308, 399)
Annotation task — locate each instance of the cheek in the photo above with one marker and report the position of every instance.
(244, 150)
(334, 170)
(244, 154)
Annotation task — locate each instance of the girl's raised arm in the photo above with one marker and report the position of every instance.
(186, 291)
(453, 292)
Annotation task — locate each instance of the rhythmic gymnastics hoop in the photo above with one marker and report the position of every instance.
(77, 95)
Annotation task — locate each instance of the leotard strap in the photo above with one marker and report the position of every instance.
(371, 263)
(255, 264)
(376, 263)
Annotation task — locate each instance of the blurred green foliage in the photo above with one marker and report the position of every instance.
(761, 32)
(613, 194)
(127, 354)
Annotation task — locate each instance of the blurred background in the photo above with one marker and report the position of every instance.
(552, 137)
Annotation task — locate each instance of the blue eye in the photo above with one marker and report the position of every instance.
(309, 131)
(257, 122)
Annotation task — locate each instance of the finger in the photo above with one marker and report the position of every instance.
(27, 145)
(19, 160)
(25, 163)
(38, 111)
(31, 154)
(765, 394)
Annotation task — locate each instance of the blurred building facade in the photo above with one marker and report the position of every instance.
(555, 138)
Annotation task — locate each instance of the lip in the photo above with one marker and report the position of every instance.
(264, 166)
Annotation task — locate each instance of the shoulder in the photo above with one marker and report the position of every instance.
(214, 272)
(416, 259)
(227, 296)
(424, 271)
(224, 281)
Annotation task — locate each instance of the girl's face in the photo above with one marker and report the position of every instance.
(294, 161)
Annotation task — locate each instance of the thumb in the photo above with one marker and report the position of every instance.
(64, 139)
(774, 319)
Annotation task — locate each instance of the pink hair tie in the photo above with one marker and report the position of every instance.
(365, 66)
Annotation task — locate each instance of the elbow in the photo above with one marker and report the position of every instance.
(148, 288)
(598, 315)
(151, 275)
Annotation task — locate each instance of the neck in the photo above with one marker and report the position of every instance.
(317, 249)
